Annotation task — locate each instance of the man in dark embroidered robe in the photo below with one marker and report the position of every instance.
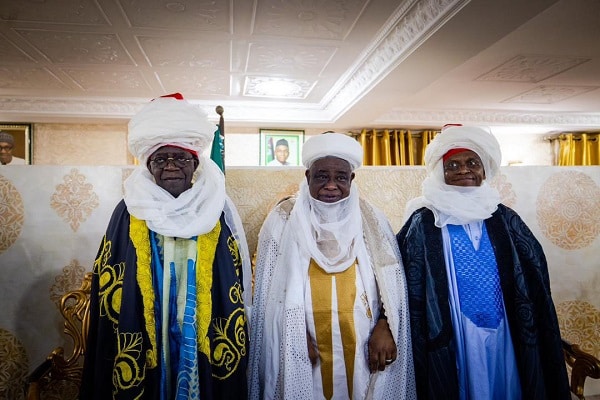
(171, 281)
(482, 317)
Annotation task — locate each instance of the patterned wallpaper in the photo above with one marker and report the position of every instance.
(52, 219)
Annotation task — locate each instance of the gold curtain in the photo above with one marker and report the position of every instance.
(578, 149)
(394, 146)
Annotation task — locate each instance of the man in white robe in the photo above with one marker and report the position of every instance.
(329, 317)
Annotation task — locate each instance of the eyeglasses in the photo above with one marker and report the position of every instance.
(6, 148)
(179, 162)
(454, 166)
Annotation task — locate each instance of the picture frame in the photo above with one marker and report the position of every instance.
(22, 133)
(268, 146)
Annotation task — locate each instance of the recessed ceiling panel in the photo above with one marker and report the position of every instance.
(307, 18)
(292, 60)
(62, 47)
(17, 77)
(197, 83)
(176, 52)
(79, 12)
(107, 81)
(531, 68)
(549, 94)
(204, 15)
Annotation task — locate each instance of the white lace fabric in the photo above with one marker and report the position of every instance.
(279, 366)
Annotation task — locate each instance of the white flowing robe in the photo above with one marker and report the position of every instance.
(279, 364)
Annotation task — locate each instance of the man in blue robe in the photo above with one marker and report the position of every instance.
(483, 322)
(171, 281)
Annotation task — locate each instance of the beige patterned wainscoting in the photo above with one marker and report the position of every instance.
(52, 219)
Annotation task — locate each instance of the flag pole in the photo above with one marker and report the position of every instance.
(219, 111)
(217, 153)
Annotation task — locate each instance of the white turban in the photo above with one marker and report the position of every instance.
(334, 145)
(169, 121)
(474, 138)
(459, 205)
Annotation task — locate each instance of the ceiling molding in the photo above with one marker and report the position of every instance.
(439, 118)
(413, 22)
(251, 114)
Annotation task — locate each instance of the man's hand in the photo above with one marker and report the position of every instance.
(382, 349)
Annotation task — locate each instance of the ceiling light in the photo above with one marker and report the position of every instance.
(262, 86)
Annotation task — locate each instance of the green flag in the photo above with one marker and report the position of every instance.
(217, 153)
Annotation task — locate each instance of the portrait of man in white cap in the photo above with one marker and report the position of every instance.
(482, 317)
(282, 153)
(171, 281)
(329, 316)
(7, 145)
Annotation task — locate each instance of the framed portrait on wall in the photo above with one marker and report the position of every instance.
(21, 137)
(281, 147)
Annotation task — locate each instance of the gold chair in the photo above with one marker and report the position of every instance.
(60, 374)
(583, 365)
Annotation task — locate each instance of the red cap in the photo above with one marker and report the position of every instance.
(449, 125)
(452, 152)
(178, 96)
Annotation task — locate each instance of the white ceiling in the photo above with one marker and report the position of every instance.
(524, 64)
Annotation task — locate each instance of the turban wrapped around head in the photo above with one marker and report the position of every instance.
(334, 145)
(169, 120)
(474, 138)
(7, 138)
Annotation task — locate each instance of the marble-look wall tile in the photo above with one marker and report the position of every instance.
(80, 144)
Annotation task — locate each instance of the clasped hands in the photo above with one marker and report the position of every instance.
(382, 348)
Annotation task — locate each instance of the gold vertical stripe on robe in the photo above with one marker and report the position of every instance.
(321, 286)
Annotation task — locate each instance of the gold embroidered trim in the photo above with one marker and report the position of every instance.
(321, 285)
(207, 245)
(127, 372)
(139, 235)
(110, 283)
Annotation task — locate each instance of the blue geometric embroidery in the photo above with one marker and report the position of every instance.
(477, 278)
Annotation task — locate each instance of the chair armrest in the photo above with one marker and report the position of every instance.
(75, 309)
(33, 380)
(583, 365)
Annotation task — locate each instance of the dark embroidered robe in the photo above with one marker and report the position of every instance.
(119, 355)
(526, 291)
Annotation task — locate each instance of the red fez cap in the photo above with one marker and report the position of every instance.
(449, 125)
(452, 152)
(178, 96)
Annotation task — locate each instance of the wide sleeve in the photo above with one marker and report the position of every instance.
(234, 222)
(528, 299)
(101, 343)
(269, 241)
(421, 247)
